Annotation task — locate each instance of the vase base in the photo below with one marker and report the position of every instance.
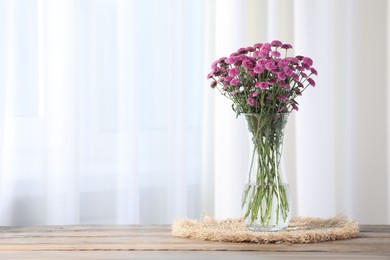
(260, 228)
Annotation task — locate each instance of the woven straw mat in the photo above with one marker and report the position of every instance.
(300, 230)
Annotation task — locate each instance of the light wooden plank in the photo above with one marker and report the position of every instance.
(165, 255)
(373, 240)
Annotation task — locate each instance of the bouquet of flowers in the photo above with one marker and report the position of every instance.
(263, 83)
(259, 79)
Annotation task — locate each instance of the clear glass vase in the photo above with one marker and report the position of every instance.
(266, 199)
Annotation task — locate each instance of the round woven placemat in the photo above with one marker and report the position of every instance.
(301, 230)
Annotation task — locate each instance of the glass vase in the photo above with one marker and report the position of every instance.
(266, 199)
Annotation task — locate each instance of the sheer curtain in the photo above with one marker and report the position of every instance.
(337, 145)
(106, 117)
(100, 111)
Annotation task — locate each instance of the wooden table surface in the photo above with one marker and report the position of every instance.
(156, 242)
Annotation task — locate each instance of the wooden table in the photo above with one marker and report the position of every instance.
(156, 242)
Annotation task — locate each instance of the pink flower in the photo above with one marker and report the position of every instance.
(258, 69)
(295, 77)
(262, 85)
(311, 82)
(227, 79)
(282, 98)
(265, 47)
(251, 73)
(286, 46)
(255, 94)
(284, 85)
(275, 54)
(250, 49)
(270, 65)
(313, 70)
(281, 76)
(234, 82)
(294, 106)
(287, 71)
(214, 65)
(211, 74)
(307, 61)
(263, 54)
(231, 60)
(234, 72)
(303, 74)
(282, 63)
(276, 43)
(257, 45)
(251, 101)
(248, 64)
(241, 50)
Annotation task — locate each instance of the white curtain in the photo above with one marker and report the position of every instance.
(100, 111)
(106, 116)
(337, 146)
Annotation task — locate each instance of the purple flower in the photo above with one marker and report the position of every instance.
(311, 82)
(313, 70)
(258, 69)
(303, 74)
(248, 64)
(234, 72)
(295, 77)
(299, 57)
(262, 85)
(281, 76)
(227, 79)
(242, 50)
(282, 63)
(276, 43)
(222, 60)
(272, 81)
(275, 54)
(287, 71)
(306, 66)
(284, 85)
(234, 82)
(231, 60)
(282, 98)
(270, 65)
(257, 45)
(286, 46)
(307, 60)
(251, 101)
(263, 54)
(211, 74)
(294, 106)
(214, 65)
(293, 60)
(265, 47)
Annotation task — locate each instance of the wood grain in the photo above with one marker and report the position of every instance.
(373, 242)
